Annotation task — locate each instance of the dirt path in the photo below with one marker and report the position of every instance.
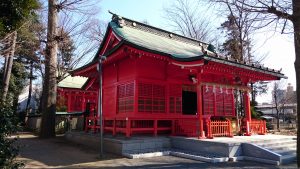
(57, 153)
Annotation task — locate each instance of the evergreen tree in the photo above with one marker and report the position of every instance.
(237, 45)
(13, 16)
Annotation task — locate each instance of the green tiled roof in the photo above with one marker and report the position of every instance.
(152, 41)
(156, 40)
(73, 82)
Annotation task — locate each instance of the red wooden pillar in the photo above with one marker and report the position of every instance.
(200, 107)
(247, 112)
(128, 127)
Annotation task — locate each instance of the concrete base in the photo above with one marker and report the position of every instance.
(120, 145)
(209, 150)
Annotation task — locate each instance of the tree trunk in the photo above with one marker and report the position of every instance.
(6, 56)
(296, 22)
(278, 119)
(50, 85)
(9, 64)
(30, 87)
(252, 94)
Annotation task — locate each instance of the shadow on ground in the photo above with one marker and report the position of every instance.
(59, 153)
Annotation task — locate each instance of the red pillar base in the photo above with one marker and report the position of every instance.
(128, 128)
(248, 133)
(202, 135)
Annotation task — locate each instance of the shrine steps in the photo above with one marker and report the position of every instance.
(274, 151)
(271, 149)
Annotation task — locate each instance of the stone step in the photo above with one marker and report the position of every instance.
(272, 140)
(285, 152)
(287, 144)
(282, 147)
(288, 158)
(276, 143)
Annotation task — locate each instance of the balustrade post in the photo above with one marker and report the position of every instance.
(155, 127)
(173, 128)
(229, 127)
(86, 124)
(114, 127)
(265, 127)
(209, 132)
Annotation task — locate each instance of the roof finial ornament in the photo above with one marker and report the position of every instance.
(118, 19)
(203, 50)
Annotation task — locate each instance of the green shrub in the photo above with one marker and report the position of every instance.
(8, 126)
(255, 114)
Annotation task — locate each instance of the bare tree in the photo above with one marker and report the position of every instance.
(281, 98)
(78, 36)
(278, 99)
(69, 27)
(187, 19)
(30, 87)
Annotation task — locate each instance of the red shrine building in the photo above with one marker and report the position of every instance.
(158, 82)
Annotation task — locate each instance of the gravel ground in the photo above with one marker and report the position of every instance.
(58, 153)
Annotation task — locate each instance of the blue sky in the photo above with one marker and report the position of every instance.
(279, 48)
(135, 9)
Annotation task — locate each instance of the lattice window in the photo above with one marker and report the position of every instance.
(175, 99)
(208, 100)
(125, 98)
(219, 102)
(151, 98)
(223, 101)
(228, 103)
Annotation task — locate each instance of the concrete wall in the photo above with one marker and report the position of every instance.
(119, 145)
(34, 123)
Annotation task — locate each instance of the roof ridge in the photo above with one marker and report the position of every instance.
(204, 47)
(121, 21)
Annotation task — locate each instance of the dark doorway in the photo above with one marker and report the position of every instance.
(189, 102)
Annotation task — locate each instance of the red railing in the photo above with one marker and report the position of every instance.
(258, 127)
(185, 126)
(128, 126)
(219, 128)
